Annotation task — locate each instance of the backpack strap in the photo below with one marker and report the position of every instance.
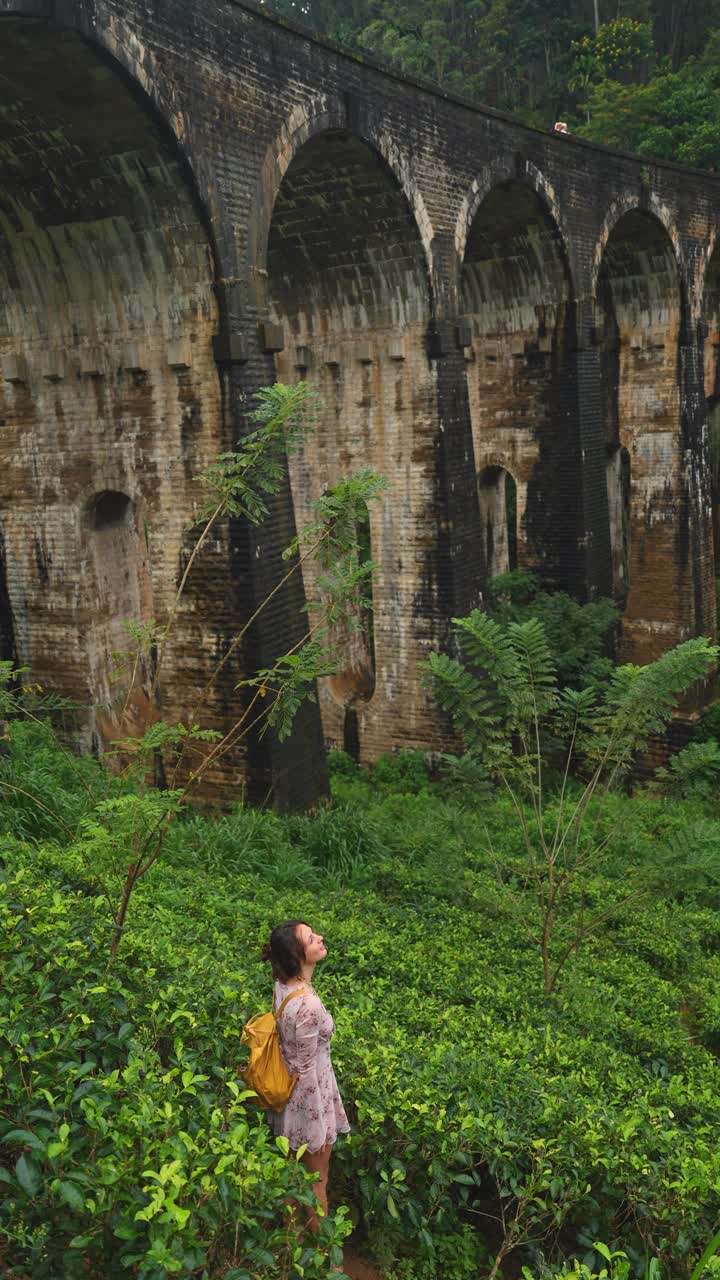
(299, 991)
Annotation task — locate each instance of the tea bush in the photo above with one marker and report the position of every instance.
(487, 1122)
(128, 1145)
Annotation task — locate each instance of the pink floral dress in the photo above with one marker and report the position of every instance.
(315, 1114)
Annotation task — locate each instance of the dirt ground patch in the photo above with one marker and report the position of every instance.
(358, 1269)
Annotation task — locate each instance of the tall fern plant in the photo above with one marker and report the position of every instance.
(503, 696)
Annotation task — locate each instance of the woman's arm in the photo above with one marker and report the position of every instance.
(307, 1030)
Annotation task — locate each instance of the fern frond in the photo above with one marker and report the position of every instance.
(640, 700)
(485, 643)
(691, 856)
(575, 711)
(536, 691)
(488, 646)
(694, 770)
(462, 697)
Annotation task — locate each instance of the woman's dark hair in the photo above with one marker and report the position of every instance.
(285, 951)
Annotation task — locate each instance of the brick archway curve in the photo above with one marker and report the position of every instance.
(115, 40)
(117, 45)
(492, 176)
(655, 210)
(702, 271)
(302, 126)
(124, 315)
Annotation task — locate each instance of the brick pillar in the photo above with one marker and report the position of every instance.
(554, 514)
(293, 773)
(596, 550)
(460, 567)
(698, 488)
(7, 626)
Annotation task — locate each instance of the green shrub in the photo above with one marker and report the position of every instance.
(36, 770)
(244, 841)
(518, 587)
(405, 771)
(588, 1118)
(341, 845)
(579, 635)
(709, 727)
(124, 1152)
(341, 765)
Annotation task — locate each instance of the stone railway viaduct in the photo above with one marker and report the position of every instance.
(196, 200)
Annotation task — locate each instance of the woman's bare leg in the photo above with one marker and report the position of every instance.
(318, 1162)
(315, 1162)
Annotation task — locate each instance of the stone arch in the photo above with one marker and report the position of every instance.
(703, 282)
(498, 500)
(497, 174)
(107, 376)
(641, 319)
(349, 303)
(108, 510)
(115, 40)
(361, 265)
(304, 124)
(654, 208)
(518, 313)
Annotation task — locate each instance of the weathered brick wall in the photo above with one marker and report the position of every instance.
(643, 292)
(348, 284)
(516, 294)
(184, 228)
(110, 396)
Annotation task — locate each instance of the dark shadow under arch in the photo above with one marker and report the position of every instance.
(107, 318)
(640, 275)
(515, 260)
(497, 495)
(344, 250)
(41, 21)
(350, 299)
(642, 327)
(517, 297)
(711, 379)
(108, 510)
(8, 652)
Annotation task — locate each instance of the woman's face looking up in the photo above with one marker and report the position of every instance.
(315, 948)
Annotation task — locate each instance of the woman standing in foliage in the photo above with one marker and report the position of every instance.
(315, 1115)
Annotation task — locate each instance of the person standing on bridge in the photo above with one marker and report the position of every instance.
(315, 1115)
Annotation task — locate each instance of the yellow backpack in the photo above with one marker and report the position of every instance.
(266, 1073)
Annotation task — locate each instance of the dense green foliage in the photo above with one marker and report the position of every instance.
(483, 1116)
(579, 635)
(646, 78)
(517, 720)
(695, 770)
(673, 115)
